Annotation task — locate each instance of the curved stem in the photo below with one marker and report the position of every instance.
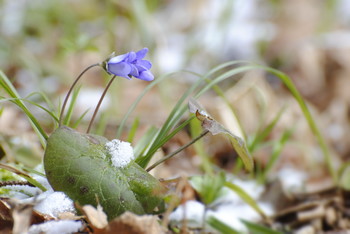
(99, 104)
(177, 151)
(71, 89)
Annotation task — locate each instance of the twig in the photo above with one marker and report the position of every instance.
(177, 151)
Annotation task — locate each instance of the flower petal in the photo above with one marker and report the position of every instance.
(134, 71)
(132, 57)
(119, 58)
(144, 64)
(119, 69)
(145, 75)
(141, 53)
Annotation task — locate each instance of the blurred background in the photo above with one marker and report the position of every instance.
(44, 45)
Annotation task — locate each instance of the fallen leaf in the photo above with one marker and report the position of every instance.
(129, 223)
(97, 218)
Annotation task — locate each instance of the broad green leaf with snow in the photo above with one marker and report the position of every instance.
(215, 127)
(82, 166)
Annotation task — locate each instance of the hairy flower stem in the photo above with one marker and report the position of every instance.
(12, 183)
(177, 151)
(71, 89)
(99, 103)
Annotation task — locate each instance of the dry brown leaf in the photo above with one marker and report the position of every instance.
(6, 220)
(97, 218)
(16, 217)
(129, 223)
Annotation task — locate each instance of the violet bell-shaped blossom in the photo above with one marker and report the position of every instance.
(130, 64)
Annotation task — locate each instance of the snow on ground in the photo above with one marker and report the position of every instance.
(56, 227)
(229, 208)
(49, 203)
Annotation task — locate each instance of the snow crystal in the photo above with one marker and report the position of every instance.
(121, 152)
(54, 203)
(56, 227)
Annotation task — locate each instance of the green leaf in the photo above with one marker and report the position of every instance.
(5, 83)
(221, 226)
(276, 152)
(79, 165)
(261, 135)
(72, 103)
(23, 175)
(245, 197)
(144, 160)
(344, 172)
(215, 128)
(259, 229)
(54, 117)
(209, 187)
(133, 130)
(144, 141)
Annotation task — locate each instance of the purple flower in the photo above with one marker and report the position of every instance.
(131, 64)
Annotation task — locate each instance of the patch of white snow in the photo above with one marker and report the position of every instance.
(56, 227)
(192, 211)
(228, 208)
(54, 203)
(121, 152)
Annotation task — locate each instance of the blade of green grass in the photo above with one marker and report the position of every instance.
(276, 152)
(209, 186)
(72, 103)
(13, 100)
(259, 229)
(77, 122)
(23, 175)
(344, 176)
(221, 226)
(102, 124)
(133, 130)
(246, 197)
(261, 135)
(221, 94)
(291, 87)
(136, 102)
(228, 74)
(312, 124)
(144, 142)
(45, 98)
(28, 169)
(175, 115)
(11, 91)
(180, 108)
(144, 160)
(196, 129)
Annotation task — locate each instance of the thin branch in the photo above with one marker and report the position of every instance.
(178, 150)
